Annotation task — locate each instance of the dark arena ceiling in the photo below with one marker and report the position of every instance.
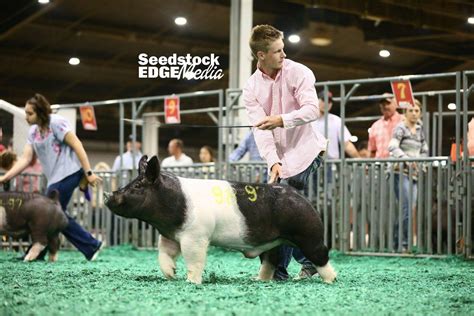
(37, 40)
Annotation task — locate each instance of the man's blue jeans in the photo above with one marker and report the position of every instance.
(405, 206)
(74, 232)
(285, 251)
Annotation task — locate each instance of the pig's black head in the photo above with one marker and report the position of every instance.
(136, 197)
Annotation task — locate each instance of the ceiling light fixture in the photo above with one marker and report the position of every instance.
(43, 1)
(180, 21)
(74, 61)
(321, 41)
(452, 106)
(294, 38)
(470, 20)
(384, 53)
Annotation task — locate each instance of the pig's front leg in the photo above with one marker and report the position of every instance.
(53, 245)
(194, 251)
(168, 251)
(34, 251)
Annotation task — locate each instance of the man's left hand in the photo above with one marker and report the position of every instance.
(270, 122)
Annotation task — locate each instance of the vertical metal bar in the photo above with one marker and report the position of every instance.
(434, 131)
(466, 169)
(457, 183)
(448, 207)
(356, 179)
(440, 125)
(121, 136)
(347, 219)
(410, 207)
(420, 209)
(382, 208)
(363, 205)
(391, 213)
(134, 139)
(372, 206)
(426, 119)
(429, 207)
(220, 146)
(400, 207)
(439, 208)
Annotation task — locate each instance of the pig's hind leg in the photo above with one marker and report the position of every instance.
(168, 251)
(53, 245)
(194, 251)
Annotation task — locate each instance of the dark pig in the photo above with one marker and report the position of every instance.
(32, 213)
(192, 214)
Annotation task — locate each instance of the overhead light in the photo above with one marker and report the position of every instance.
(43, 1)
(294, 38)
(452, 106)
(470, 20)
(384, 53)
(321, 41)
(74, 61)
(354, 138)
(180, 20)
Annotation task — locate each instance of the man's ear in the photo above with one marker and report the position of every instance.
(153, 169)
(54, 195)
(260, 55)
(142, 164)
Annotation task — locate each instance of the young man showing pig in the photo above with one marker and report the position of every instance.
(281, 99)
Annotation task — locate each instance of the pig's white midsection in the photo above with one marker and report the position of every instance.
(3, 219)
(213, 213)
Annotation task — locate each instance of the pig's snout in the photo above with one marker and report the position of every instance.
(107, 196)
(113, 198)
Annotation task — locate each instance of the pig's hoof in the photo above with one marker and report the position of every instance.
(169, 274)
(327, 273)
(194, 281)
(53, 258)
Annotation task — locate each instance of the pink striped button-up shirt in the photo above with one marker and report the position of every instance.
(293, 96)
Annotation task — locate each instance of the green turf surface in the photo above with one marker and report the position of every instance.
(128, 281)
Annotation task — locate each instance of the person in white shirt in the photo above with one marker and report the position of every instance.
(177, 156)
(128, 157)
(334, 130)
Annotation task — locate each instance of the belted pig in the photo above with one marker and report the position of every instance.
(191, 214)
(32, 213)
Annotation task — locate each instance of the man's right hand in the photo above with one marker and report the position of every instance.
(275, 173)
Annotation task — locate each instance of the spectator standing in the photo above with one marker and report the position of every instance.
(177, 156)
(408, 141)
(381, 130)
(334, 130)
(128, 157)
(206, 156)
(248, 145)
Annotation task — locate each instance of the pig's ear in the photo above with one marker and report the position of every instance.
(142, 164)
(54, 195)
(153, 169)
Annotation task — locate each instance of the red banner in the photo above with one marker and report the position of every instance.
(88, 118)
(172, 113)
(403, 93)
